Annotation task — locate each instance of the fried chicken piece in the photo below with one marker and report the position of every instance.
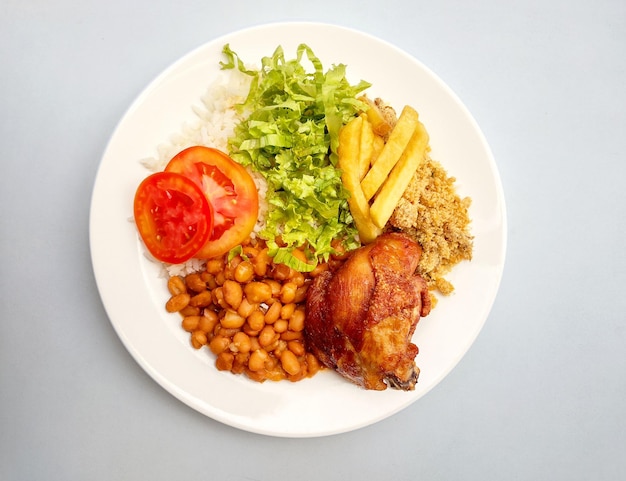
(361, 317)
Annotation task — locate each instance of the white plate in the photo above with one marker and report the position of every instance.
(134, 295)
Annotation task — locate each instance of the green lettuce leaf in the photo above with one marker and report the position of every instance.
(291, 136)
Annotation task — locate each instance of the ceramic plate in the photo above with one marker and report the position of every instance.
(134, 294)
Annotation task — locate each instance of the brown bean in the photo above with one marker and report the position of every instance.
(296, 321)
(267, 336)
(296, 347)
(254, 344)
(198, 339)
(297, 278)
(220, 278)
(211, 314)
(261, 263)
(208, 321)
(233, 293)
(313, 365)
(195, 282)
(190, 323)
(257, 376)
(275, 286)
(176, 285)
(281, 326)
(291, 335)
(288, 292)
(246, 308)
(241, 342)
(229, 270)
(301, 294)
(217, 295)
(257, 292)
(202, 299)
(177, 302)
(226, 332)
(244, 272)
(215, 266)
(281, 272)
(232, 320)
(287, 310)
(257, 360)
(219, 344)
(273, 313)
(209, 280)
(249, 331)
(225, 360)
(318, 269)
(290, 363)
(190, 311)
(240, 362)
(256, 320)
(273, 346)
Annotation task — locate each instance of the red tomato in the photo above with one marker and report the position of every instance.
(231, 192)
(173, 216)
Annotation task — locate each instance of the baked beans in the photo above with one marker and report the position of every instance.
(249, 313)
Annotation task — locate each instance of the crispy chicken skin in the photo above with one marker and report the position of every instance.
(361, 317)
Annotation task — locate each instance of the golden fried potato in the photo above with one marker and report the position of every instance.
(380, 123)
(350, 144)
(397, 142)
(379, 143)
(349, 149)
(393, 188)
(360, 210)
(366, 147)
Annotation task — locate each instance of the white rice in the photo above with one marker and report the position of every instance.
(214, 125)
(215, 122)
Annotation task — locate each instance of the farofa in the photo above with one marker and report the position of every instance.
(433, 214)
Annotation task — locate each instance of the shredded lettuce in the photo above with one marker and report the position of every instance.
(291, 136)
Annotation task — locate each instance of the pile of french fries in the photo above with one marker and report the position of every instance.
(378, 160)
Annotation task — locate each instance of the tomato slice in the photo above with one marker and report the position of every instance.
(173, 216)
(231, 191)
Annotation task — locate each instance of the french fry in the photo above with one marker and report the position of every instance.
(379, 143)
(366, 147)
(380, 124)
(349, 148)
(399, 178)
(397, 142)
(350, 143)
(360, 210)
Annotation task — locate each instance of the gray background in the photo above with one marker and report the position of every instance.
(541, 394)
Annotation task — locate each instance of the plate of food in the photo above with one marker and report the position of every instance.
(297, 229)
